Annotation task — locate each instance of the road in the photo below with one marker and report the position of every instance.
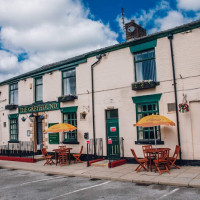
(26, 185)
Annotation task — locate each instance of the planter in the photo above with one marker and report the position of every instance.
(11, 107)
(66, 98)
(144, 85)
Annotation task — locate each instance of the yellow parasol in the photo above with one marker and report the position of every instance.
(154, 120)
(60, 128)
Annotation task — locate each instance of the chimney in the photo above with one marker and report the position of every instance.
(134, 30)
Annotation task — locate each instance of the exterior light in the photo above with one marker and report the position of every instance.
(31, 115)
(41, 117)
(23, 119)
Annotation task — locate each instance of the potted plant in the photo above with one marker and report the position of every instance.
(183, 107)
(146, 84)
(65, 98)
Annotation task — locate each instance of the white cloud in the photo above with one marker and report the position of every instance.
(48, 31)
(189, 4)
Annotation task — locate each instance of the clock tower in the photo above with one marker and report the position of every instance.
(134, 30)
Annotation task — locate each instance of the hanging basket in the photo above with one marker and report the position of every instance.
(183, 107)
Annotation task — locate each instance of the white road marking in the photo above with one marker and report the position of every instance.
(86, 188)
(26, 183)
(165, 195)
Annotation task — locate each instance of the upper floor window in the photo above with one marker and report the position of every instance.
(38, 89)
(69, 82)
(14, 94)
(145, 65)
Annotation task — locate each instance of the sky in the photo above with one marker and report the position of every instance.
(39, 32)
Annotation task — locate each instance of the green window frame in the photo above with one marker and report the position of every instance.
(147, 134)
(14, 129)
(69, 82)
(38, 89)
(70, 118)
(145, 65)
(13, 94)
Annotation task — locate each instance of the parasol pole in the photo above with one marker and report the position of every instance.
(155, 136)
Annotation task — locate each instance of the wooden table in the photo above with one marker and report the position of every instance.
(152, 153)
(57, 151)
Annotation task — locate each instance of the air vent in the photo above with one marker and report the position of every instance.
(171, 107)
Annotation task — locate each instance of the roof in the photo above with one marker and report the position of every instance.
(83, 58)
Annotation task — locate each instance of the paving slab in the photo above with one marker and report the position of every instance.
(186, 176)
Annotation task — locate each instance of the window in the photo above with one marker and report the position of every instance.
(14, 94)
(14, 129)
(70, 118)
(38, 89)
(145, 66)
(147, 134)
(69, 82)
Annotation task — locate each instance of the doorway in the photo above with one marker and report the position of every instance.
(112, 132)
(39, 133)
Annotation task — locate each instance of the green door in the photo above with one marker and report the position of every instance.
(112, 131)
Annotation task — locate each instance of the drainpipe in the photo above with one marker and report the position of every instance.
(99, 57)
(170, 37)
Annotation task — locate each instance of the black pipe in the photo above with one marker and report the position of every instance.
(170, 37)
(93, 110)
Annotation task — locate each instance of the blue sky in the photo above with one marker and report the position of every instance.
(38, 32)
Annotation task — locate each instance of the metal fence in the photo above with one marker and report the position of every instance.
(99, 147)
(19, 149)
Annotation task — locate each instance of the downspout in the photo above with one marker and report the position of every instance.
(170, 37)
(93, 110)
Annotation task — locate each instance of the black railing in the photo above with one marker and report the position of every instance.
(19, 149)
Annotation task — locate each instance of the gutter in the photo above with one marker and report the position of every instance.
(170, 37)
(99, 57)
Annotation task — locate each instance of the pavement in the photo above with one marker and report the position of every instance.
(188, 176)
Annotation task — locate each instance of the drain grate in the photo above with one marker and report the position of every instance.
(95, 179)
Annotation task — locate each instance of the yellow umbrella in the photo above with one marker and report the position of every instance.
(60, 128)
(154, 120)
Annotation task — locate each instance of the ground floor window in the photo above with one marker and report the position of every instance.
(70, 118)
(142, 110)
(147, 105)
(13, 129)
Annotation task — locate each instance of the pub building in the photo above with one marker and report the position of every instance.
(104, 92)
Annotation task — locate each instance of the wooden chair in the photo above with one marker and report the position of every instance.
(63, 158)
(162, 161)
(146, 155)
(47, 157)
(77, 156)
(173, 159)
(142, 162)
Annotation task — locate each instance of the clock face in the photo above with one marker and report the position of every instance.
(131, 29)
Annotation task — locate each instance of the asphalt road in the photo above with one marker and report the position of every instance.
(25, 185)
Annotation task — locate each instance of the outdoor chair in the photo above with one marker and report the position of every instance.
(77, 156)
(162, 161)
(47, 157)
(142, 162)
(173, 159)
(63, 158)
(146, 155)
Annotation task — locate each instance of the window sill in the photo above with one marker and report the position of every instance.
(10, 141)
(67, 98)
(149, 142)
(144, 85)
(70, 142)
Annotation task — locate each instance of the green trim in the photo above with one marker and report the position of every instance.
(143, 46)
(13, 116)
(71, 109)
(39, 107)
(83, 58)
(14, 130)
(147, 98)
